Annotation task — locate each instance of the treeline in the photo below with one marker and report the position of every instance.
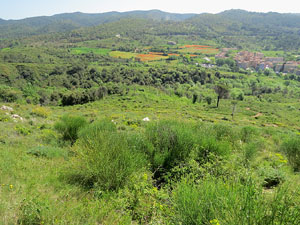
(79, 84)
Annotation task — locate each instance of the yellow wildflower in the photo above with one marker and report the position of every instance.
(214, 222)
(145, 177)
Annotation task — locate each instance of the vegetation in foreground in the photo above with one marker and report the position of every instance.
(91, 164)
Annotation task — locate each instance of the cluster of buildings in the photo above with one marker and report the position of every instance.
(258, 61)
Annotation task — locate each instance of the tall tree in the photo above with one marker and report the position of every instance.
(222, 92)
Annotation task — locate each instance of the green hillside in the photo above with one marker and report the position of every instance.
(148, 117)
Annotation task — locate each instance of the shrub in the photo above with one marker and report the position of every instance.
(96, 129)
(69, 126)
(247, 133)
(48, 136)
(272, 177)
(208, 100)
(249, 151)
(41, 111)
(225, 133)
(210, 147)
(47, 151)
(31, 212)
(291, 148)
(214, 201)
(22, 130)
(172, 143)
(4, 117)
(106, 157)
(8, 94)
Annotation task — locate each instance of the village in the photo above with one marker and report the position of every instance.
(257, 61)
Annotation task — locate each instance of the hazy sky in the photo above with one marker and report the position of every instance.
(16, 9)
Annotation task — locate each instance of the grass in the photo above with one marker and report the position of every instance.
(217, 202)
(107, 176)
(273, 53)
(203, 49)
(124, 55)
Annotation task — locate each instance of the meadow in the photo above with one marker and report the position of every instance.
(85, 50)
(203, 168)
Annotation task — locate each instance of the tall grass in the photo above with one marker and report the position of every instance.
(106, 157)
(214, 201)
(69, 126)
(172, 142)
(291, 148)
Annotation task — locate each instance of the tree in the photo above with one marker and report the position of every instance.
(222, 92)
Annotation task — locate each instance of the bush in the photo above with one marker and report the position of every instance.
(225, 133)
(8, 94)
(48, 136)
(106, 157)
(291, 148)
(247, 133)
(172, 143)
(22, 130)
(69, 126)
(214, 201)
(48, 152)
(41, 111)
(249, 151)
(96, 129)
(31, 212)
(208, 100)
(210, 147)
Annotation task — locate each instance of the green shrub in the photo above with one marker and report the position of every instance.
(47, 151)
(8, 94)
(4, 117)
(172, 143)
(31, 212)
(48, 136)
(208, 100)
(225, 132)
(69, 126)
(214, 201)
(22, 130)
(272, 177)
(291, 148)
(97, 128)
(249, 152)
(106, 157)
(209, 146)
(41, 111)
(248, 133)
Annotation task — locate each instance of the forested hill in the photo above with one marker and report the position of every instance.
(239, 28)
(71, 21)
(232, 28)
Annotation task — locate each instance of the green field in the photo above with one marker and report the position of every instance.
(84, 50)
(124, 55)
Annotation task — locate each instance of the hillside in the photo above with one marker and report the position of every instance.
(148, 117)
(71, 21)
(233, 28)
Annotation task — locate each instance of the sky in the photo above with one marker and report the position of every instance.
(18, 9)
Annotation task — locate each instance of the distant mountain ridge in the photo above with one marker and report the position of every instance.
(69, 21)
(231, 28)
